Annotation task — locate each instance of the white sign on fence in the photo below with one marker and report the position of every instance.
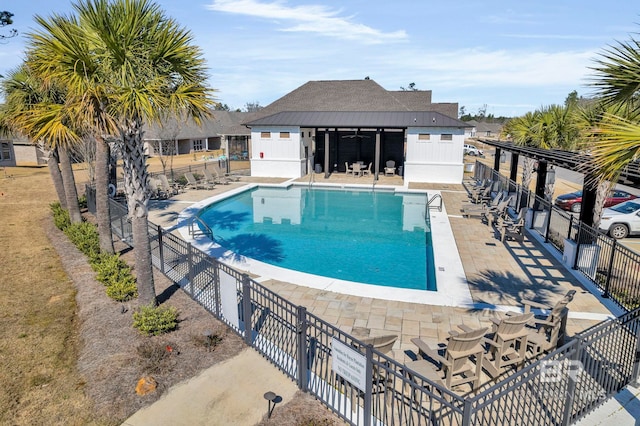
(229, 299)
(349, 364)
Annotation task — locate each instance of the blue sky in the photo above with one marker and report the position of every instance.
(512, 56)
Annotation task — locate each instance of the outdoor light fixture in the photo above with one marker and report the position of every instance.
(271, 398)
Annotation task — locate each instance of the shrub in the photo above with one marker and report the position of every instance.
(155, 320)
(182, 181)
(84, 236)
(123, 290)
(60, 216)
(110, 268)
(82, 201)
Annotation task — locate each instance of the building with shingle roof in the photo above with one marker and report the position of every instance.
(223, 131)
(328, 125)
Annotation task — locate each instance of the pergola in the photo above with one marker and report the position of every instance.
(566, 159)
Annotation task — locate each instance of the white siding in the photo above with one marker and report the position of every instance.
(434, 160)
(275, 156)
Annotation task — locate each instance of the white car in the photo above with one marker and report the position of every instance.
(622, 219)
(472, 150)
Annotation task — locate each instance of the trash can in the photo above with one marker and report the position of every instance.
(400, 170)
(318, 168)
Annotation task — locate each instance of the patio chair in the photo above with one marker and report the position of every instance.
(512, 228)
(508, 344)
(390, 168)
(547, 331)
(167, 187)
(456, 364)
(367, 171)
(495, 213)
(382, 344)
(193, 183)
(347, 168)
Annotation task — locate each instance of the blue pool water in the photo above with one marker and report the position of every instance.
(370, 237)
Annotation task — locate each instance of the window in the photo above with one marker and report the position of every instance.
(5, 151)
(265, 135)
(424, 136)
(302, 134)
(285, 135)
(198, 144)
(446, 137)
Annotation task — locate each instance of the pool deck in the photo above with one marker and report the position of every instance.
(498, 274)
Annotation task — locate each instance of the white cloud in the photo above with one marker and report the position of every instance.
(315, 19)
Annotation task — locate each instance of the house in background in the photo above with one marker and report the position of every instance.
(20, 151)
(222, 132)
(327, 125)
(483, 129)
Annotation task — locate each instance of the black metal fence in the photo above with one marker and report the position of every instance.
(558, 389)
(611, 266)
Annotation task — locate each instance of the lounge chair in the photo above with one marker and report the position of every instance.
(167, 187)
(471, 209)
(482, 196)
(508, 344)
(216, 180)
(548, 330)
(456, 364)
(193, 183)
(390, 168)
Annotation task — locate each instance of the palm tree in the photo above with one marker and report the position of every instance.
(617, 80)
(125, 64)
(37, 110)
(522, 131)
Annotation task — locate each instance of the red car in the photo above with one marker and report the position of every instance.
(573, 202)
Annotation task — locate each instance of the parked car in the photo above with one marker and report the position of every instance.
(573, 202)
(622, 219)
(472, 150)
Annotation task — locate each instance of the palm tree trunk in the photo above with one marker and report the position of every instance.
(136, 188)
(603, 190)
(56, 176)
(102, 197)
(69, 185)
(527, 172)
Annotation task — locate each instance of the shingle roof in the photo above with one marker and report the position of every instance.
(360, 119)
(354, 96)
(222, 123)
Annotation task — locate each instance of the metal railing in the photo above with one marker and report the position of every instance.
(612, 267)
(560, 388)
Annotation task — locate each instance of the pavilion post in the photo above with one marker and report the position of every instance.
(377, 154)
(496, 160)
(326, 154)
(513, 175)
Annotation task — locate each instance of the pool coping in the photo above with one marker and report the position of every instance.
(451, 282)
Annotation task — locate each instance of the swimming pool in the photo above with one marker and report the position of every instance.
(373, 237)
